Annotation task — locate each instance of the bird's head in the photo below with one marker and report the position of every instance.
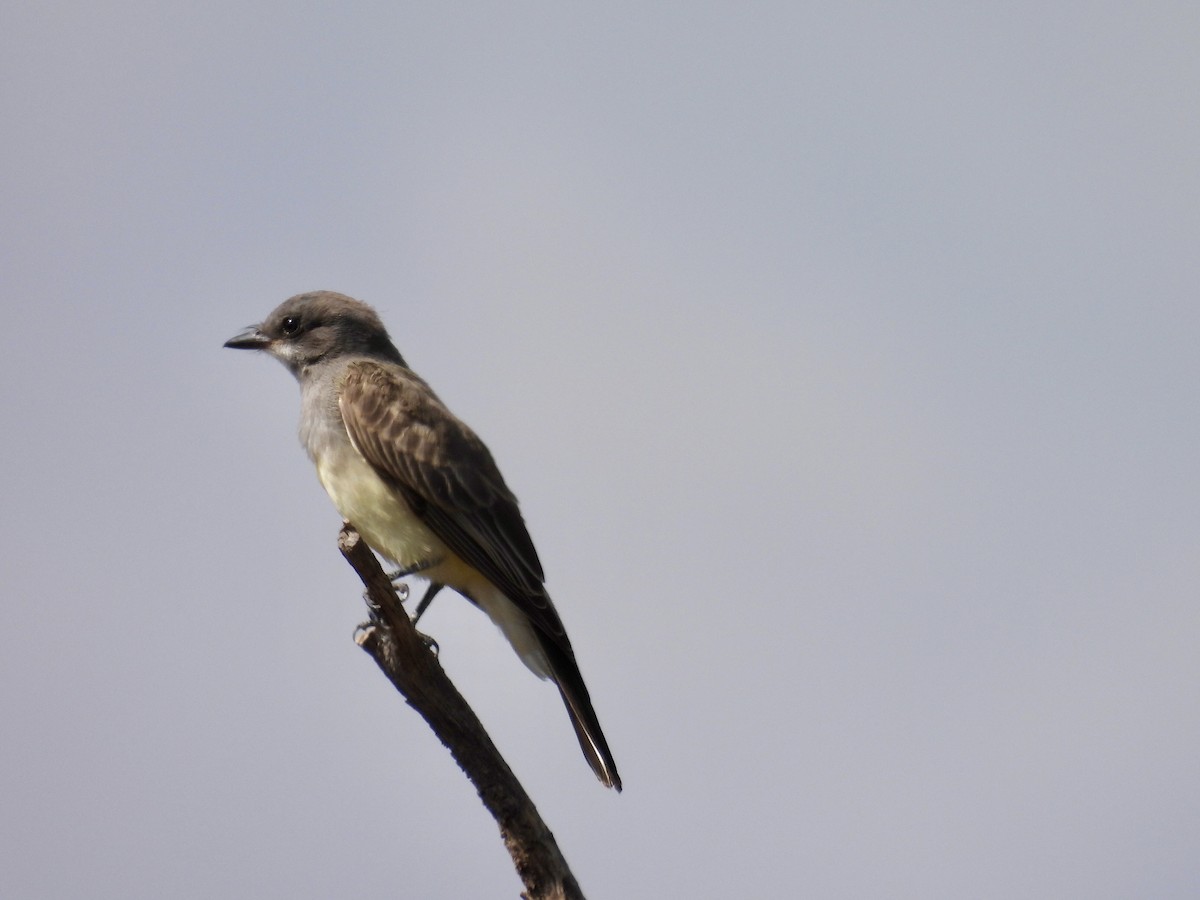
(310, 328)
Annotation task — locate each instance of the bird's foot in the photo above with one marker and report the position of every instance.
(430, 644)
(367, 632)
(364, 633)
(401, 590)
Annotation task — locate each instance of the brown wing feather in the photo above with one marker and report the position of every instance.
(448, 477)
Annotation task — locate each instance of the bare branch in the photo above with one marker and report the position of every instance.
(413, 669)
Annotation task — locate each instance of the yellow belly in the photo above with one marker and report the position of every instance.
(377, 511)
(392, 529)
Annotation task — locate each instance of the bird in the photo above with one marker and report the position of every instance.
(420, 486)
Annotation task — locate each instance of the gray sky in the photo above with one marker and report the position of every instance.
(844, 359)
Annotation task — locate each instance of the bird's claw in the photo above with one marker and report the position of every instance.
(366, 631)
(430, 644)
(401, 594)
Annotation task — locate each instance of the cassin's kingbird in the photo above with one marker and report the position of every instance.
(419, 485)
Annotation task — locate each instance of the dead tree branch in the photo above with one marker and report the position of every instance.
(413, 669)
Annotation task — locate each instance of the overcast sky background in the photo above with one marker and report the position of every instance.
(844, 358)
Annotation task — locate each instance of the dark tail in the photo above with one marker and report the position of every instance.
(583, 717)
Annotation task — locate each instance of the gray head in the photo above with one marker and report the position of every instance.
(321, 325)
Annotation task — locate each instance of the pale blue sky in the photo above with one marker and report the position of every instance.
(844, 358)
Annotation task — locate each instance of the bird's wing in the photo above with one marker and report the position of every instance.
(448, 477)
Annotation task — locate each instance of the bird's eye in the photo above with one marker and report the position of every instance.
(290, 325)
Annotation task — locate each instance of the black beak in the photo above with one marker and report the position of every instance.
(248, 339)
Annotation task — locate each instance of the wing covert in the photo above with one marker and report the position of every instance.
(448, 477)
